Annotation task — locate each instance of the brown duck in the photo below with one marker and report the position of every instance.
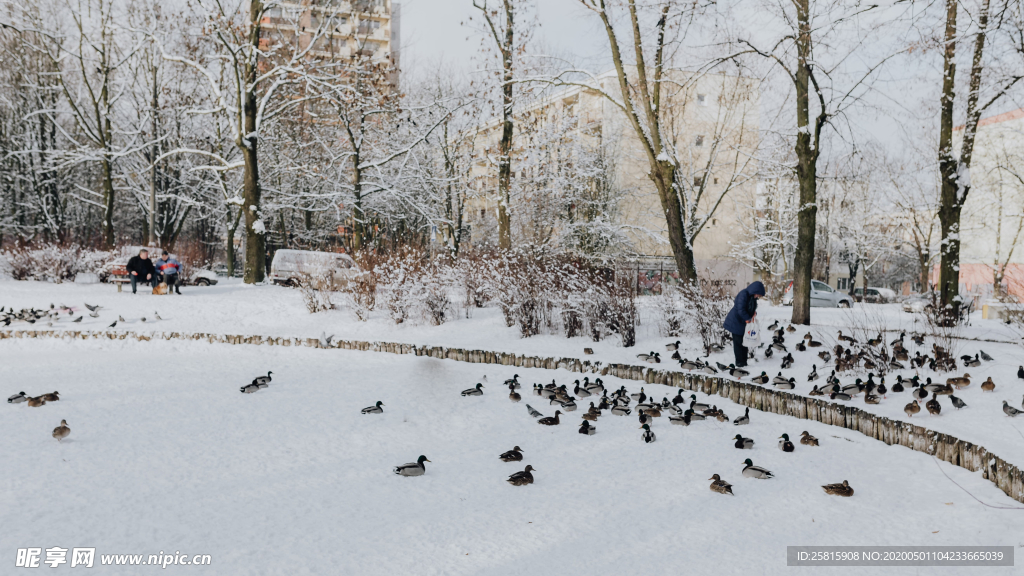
(51, 397)
(959, 381)
(912, 408)
(720, 486)
(522, 478)
(843, 489)
(933, 406)
(988, 385)
(808, 440)
(36, 402)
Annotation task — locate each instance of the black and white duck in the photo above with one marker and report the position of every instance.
(687, 364)
(513, 455)
(581, 392)
(743, 443)
(785, 384)
(416, 468)
(762, 379)
(586, 429)
(17, 398)
(514, 381)
(751, 471)
(250, 388)
(743, 420)
(814, 373)
(639, 396)
(522, 478)
(262, 379)
(697, 406)
(375, 409)
(738, 372)
(648, 436)
(620, 410)
(672, 346)
(474, 391)
(784, 444)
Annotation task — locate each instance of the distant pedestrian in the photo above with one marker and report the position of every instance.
(744, 311)
(140, 270)
(169, 267)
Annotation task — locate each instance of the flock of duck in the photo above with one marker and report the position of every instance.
(848, 355)
(681, 410)
(60, 432)
(55, 314)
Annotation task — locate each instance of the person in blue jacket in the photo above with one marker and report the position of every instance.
(743, 312)
(169, 267)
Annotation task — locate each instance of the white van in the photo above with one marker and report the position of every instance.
(290, 267)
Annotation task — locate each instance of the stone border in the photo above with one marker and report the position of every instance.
(1008, 477)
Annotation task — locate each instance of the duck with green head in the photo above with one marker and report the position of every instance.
(412, 469)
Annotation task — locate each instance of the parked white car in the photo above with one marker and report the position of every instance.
(291, 267)
(822, 296)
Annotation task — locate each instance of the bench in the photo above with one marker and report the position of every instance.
(119, 276)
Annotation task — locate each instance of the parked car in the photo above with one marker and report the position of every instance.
(822, 296)
(875, 295)
(916, 304)
(203, 278)
(292, 267)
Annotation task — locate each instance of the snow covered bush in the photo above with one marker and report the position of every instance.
(316, 288)
(56, 263)
(702, 311)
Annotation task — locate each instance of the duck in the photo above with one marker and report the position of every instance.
(814, 373)
(652, 357)
(912, 408)
(36, 402)
(894, 365)
(537, 389)
(713, 348)
(933, 406)
(790, 328)
(1010, 410)
(569, 405)
(620, 410)
(920, 393)
(898, 386)
(61, 432)
(679, 420)
(586, 429)
(801, 347)
(743, 443)
(51, 397)
(871, 398)
(550, 420)
(784, 444)
(375, 409)
(720, 486)
(474, 391)
(687, 364)
(513, 395)
(780, 379)
(648, 436)
(957, 402)
(581, 392)
(815, 392)
(522, 478)
(840, 396)
(988, 385)
(513, 381)
(513, 455)
(17, 398)
(773, 326)
(1020, 372)
(644, 418)
(697, 406)
(737, 372)
(709, 369)
(843, 489)
(412, 469)
(639, 396)
(787, 362)
(693, 416)
(250, 388)
(768, 352)
(751, 471)
(263, 379)
(972, 362)
(743, 420)
(959, 381)
(762, 379)
(807, 440)
(785, 384)
(672, 346)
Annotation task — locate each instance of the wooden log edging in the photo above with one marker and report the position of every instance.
(1008, 477)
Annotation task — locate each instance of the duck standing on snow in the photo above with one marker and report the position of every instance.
(61, 432)
(912, 408)
(751, 471)
(933, 406)
(808, 440)
(17, 398)
(648, 436)
(412, 469)
(262, 381)
(474, 391)
(988, 385)
(513, 455)
(586, 429)
(522, 478)
(512, 394)
(375, 409)
(744, 443)
(843, 489)
(785, 445)
(814, 373)
(720, 486)
(513, 381)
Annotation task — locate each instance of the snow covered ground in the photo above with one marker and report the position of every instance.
(166, 455)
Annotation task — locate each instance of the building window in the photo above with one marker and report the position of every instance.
(699, 141)
(716, 180)
(483, 212)
(697, 181)
(702, 99)
(843, 283)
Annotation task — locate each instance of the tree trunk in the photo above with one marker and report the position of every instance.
(806, 172)
(255, 240)
(230, 248)
(107, 172)
(949, 205)
(664, 176)
(505, 146)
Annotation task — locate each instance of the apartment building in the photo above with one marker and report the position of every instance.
(712, 125)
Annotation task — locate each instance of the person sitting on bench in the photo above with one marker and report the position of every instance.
(140, 270)
(169, 267)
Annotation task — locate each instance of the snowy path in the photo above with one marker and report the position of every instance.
(293, 480)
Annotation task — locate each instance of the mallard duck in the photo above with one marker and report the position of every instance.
(262, 379)
(807, 440)
(912, 408)
(648, 436)
(513, 455)
(920, 393)
(743, 443)
(250, 388)
(513, 395)
(988, 385)
(36, 402)
(533, 412)
(679, 420)
(639, 396)
(751, 471)
(871, 398)
(814, 373)
(784, 444)
(51, 397)
(790, 328)
(801, 347)
(971, 362)
(569, 405)
(592, 416)
(771, 328)
(693, 416)
(644, 418)
(787, 362)
(375, 409)
(898, 386)
(720, 486)
(586, 429)
(697, 406)
(687, 364)
(843, 489)
(1020, 372)
(412, 469)
(737, 372)
(1010, 410)
(513, 381)
(672, 346)
(714, 347)
(522, 478)
(743, 420)
(894, 365)
(474, 391)
(550, 420)
(768, 352)
(581, 392)
(61, 432)
(959, 381)
(933, 406)
(620, 410)
(957, 402)
(840, 396)
(762, 379)
(17, 398)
